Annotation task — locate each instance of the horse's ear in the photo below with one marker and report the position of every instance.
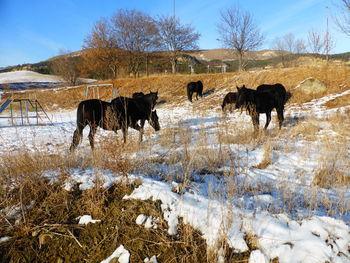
(243, 86)
(238, 88)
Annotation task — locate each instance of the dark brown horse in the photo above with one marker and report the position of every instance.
(263, 100)
(138, 95)
(121, 113)
(138, 109)
(229, 101)
(193, 87)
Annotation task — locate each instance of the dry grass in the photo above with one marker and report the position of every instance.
(330, 177)
(338, 102)
(40, 216)
(267, 157)
(172, 89)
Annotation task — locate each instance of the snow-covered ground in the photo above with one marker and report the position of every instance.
(277, 204)
(30, 76)
(27, 76)
(24, 80)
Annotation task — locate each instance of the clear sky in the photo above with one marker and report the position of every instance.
(35, 30)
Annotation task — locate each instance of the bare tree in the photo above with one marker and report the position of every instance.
(300, 46)
(176, 38)
(136, 33)
(321, 44)
(343, 19)
(289, 40)
(66, 66)
(238, 31)
(315, 41)
(102, 53)
(328, 43)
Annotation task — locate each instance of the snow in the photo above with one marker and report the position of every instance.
(257, 257)
(4, 239)
(27, 76)
(271, 204)
(24, 76)
(153, 259)
(86, 219)
(141, 219)
(120, 253)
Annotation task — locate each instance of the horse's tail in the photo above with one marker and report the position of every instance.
(80, 126)
(223, 104)
(284, 96)
(189, 93)
(80, 115)
(200, 88)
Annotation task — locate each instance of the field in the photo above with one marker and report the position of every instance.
(202, 189)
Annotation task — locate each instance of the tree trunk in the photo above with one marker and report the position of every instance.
(240, 60)
(173, 66)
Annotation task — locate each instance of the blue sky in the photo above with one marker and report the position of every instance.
(33, 30)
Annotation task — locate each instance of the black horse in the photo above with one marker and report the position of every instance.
(138, 95)
(137, 109)
(151, 97)
(263, 100)
(114, 116)
(229, 101)
(194, 87)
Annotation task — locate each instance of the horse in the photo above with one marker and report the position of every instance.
(229, 101)
(138, 95)
(263, 100)
(194, 87)
(111, 116)
(138, 109)
(152, 97)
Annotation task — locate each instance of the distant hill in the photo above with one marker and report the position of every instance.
(202, 58)
(228, 54)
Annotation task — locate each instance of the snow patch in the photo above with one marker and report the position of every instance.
(120, 253)
(86, 219)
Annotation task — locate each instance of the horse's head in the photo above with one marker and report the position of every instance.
(242, 96)
(154, 121)
(154, 97)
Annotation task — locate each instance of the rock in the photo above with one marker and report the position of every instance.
(311, 86)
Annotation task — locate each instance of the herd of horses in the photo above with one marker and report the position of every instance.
(123, 112)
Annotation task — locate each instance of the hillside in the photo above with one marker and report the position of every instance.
(202, 58)
(228, 55)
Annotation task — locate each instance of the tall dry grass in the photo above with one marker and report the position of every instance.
(172, 88)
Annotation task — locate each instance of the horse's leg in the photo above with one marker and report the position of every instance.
(93, 129)
(255, 120)
(77, 135)
(125, 132)
(76, 140)
(190, 96)
(280, 116)
(268, 119)
(141, 129)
